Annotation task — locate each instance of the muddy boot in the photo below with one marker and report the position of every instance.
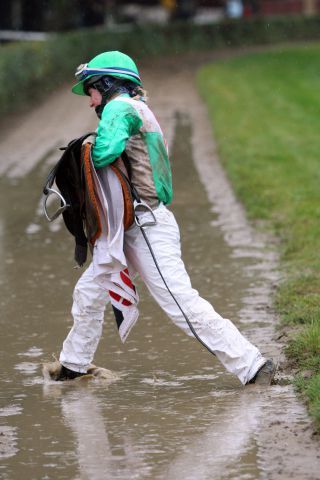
(57, 372)
(67, 374)
(265, 374)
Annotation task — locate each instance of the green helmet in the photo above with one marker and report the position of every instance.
(114, 64)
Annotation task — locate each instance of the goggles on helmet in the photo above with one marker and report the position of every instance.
(83, 71)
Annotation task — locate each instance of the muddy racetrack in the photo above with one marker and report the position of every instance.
(174, 414)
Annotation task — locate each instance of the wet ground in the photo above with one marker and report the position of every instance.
(174, 413)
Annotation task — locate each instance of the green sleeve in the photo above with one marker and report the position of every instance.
(119, 121)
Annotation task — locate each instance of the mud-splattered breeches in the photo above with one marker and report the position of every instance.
(222, 337)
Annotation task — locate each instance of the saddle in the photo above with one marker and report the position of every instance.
(73, 176)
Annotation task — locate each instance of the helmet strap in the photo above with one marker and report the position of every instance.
(108, 87)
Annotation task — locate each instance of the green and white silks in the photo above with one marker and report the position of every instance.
(129, 125)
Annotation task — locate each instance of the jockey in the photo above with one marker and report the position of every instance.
(127, 126)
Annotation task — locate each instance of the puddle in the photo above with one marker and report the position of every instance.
(10, 410)
(8, 442)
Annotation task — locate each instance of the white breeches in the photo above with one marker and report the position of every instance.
(235, 352)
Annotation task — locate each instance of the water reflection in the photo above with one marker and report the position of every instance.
(136, 439)
(217, 451)
(97, 456)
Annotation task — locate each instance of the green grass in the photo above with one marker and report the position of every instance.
(265, 110)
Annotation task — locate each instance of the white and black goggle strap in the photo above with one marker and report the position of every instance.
(83, 71)
(80, 70)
